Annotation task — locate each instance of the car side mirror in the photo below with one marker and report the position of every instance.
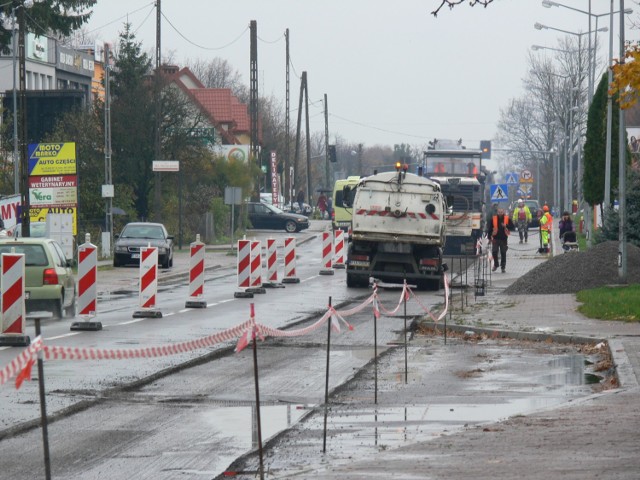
(170, 237)
(116, 236)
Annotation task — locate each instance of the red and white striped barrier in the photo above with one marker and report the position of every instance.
(327, 253)
(13, 309)
(87, 288)
(272, 259)
(244, 263)
(244, 269)
(338, 260)
(290, 261)
(148, 283)
(272, 265)
(256, 264)
(196, 275)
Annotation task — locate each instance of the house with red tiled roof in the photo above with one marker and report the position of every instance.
(221, 110)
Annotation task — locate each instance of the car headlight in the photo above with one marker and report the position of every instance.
(162, 250)
(301, 220)
(120, 249)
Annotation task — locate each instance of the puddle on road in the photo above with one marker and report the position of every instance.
(367, 425)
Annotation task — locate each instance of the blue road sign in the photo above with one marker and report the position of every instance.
(512, 178)
(499, 192)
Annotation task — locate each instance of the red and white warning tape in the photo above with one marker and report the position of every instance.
(18, 363)
(245, 331)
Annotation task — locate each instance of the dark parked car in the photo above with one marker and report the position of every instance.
(265, 216)
(141, 234)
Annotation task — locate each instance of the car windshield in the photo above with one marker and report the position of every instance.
(34, 255)
(272, 208)
(142, 231)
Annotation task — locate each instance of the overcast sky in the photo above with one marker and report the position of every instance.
(391, 71)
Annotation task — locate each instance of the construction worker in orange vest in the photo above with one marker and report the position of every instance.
(546, 222)
(498, 232)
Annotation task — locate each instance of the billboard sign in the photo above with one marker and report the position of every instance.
(52, 158)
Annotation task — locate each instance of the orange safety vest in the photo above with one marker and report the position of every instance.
(505, 222)
(548, 223)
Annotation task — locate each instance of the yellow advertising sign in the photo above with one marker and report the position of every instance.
(40, 215)
(52, 158)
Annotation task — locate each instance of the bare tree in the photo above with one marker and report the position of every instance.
(552, 111)
(218, 73)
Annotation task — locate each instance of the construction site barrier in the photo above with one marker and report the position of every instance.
(290, 261)
(196, 275)
(327, 254)
(87, 286)
(13, 297)
(148, 283)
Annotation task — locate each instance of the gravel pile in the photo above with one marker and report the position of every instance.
(575, 271)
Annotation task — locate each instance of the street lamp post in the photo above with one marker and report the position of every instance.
(592, 58)
(539, 26)
(24, 161)
(16, 154)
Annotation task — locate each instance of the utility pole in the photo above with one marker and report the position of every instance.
(108, 181)
(326, 144)
(287, 140)
(253, 101)
(622, 171)
(296, 169)
(157, 111)
(308, 134)
(16, 149)
(24, 160)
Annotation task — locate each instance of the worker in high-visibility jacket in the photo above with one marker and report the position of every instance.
(498, 232)
(522, 218)
(546, 222)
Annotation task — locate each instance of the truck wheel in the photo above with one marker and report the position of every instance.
(355, 281)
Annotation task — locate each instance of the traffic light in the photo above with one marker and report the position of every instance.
(485, 147)
(332, 154)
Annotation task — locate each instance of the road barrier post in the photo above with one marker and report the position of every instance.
(13, 309)
(327, 253)
(148, 283)
(338, 261)
(87, 288)
(244, 269)
(290, 261)
(196, 275)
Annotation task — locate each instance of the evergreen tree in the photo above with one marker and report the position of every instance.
(133, 121)
(44, 17)
(595, 146)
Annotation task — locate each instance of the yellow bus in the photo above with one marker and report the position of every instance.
(341, 215)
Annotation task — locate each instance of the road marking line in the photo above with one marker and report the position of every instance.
(63, 336)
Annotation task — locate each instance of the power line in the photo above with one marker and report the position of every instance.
(202, 46)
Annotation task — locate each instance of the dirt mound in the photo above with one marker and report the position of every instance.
(575, 271)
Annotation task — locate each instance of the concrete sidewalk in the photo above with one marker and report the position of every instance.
(596, 437)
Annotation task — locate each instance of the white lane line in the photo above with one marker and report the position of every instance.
(135, 320)
(310, 278)
(71, 334)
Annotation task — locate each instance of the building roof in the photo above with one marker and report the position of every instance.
(224, 110)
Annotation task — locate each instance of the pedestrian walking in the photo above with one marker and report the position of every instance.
(546, 223)
(300, 200)
(521, 218)
(329, 206)
(498, 232)
(322, 204)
